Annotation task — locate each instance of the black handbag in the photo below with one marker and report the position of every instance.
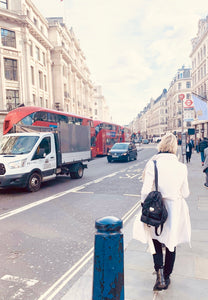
(154, 212)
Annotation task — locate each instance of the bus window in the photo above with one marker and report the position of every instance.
(52, 118)
(78, 121)
(97, 129)
(40, 116)
(62, 118)
(28, 120)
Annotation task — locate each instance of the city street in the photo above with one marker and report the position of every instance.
(47, 237)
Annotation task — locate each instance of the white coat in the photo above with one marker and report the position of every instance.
(173, 184)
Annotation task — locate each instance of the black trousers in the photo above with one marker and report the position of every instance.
(158, 258)
(188, 156)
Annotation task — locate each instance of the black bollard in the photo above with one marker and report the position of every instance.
(108, 277)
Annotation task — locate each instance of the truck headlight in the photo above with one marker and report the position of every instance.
(17, 164)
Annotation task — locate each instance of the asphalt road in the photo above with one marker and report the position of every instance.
(47, 237)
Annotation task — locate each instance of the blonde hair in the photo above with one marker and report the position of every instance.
(168, 143)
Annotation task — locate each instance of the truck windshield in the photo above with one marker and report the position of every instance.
(17, 144)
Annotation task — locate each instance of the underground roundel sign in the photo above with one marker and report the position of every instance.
(188, 103)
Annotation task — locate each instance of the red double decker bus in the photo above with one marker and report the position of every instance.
(126, 134)
(106, 135)
(38, 116)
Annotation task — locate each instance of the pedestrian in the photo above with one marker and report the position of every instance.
(197, 145)
(173, 184)
(188, 151)
(202, 145)
(205, 170)
(192, 143)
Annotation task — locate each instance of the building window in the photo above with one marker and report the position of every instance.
(8, 38)
(31, 48)
(44, 59)
(34, 99)
(188, 84)
(40, 80)
(3, 4)
(179, 85)
(12, 97)
(37, 53)
(41, 101)
(45, 82)
(32, 75)
(188, 96)
(10, 69)
(35, 21)
(46, 102)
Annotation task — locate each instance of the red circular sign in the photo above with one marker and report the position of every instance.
(181, 96)
(189, 102)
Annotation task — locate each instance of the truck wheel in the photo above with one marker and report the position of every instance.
(34, 182)
(78, 173)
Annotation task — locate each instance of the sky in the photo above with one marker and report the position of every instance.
(133, 48)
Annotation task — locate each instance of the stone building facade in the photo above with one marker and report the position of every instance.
(41, 63)
(165, 113)
(180, 115)
(199, 58)
(100, 107)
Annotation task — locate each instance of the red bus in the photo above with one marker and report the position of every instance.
(107, 134)
(126, 134)
(38, 116)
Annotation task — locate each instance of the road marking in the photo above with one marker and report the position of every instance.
(155, 294)
(62, 281)
(27, 282)
(78, 192)
(132, 195)
(16, 279)
(58, 195)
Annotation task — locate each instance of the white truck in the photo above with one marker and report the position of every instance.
(29, 158)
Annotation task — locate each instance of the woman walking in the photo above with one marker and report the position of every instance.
(188, 151)
(173, 184)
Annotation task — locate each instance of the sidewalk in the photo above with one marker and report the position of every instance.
(189, 280)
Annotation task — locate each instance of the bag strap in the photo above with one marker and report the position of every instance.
(156, 175)
(161, 229)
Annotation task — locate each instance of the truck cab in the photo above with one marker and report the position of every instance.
(29, 158)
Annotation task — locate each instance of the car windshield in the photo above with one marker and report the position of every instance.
(120, 147)
(17, 144)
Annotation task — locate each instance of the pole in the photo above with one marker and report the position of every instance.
(183, 138)
(108, 276)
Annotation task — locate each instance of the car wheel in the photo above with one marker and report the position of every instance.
(135, 158)
(34, 182)
(127, 158)
(109, 159)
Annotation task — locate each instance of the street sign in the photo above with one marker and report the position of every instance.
(188, 103)
(181, 96)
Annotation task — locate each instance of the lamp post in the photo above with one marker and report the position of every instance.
(183, 137)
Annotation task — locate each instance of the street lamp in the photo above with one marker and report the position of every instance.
(183, 136)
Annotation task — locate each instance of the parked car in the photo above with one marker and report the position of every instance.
(145, 141)
(122, 152)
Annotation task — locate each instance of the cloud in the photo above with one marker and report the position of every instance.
(133, 48)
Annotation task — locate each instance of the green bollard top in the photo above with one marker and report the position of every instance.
(108, 224)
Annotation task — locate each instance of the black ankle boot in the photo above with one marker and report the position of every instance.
(167, 281)
(160, 283)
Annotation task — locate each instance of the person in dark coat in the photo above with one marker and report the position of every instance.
(202, 145)
(205, 169)
(188, 151)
